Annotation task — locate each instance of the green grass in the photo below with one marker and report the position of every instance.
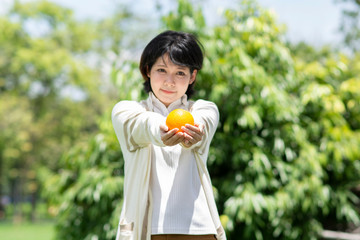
(28, 231)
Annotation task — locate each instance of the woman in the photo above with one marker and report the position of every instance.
(167, 188)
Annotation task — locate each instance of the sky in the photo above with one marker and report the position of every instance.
(313, 21)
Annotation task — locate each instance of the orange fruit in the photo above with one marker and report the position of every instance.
(178, 118)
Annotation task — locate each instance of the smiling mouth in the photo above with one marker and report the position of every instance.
(166, 91)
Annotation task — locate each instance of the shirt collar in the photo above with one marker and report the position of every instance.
(157, 106)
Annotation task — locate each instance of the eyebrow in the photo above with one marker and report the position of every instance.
(182, 67)
(164, 65)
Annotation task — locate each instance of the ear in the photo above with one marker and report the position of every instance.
(193, 76)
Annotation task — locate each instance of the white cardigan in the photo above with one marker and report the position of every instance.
(137, 127)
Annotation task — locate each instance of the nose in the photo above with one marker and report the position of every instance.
(169, 81)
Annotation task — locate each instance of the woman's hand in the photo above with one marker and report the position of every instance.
(192, 134)
(171, 138)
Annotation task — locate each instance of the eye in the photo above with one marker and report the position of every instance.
(161, 70)
(181, 73)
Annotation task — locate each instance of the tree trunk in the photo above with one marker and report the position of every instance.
(33, 206)
(2, 207)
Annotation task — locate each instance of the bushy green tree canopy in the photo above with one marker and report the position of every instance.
(51, 89)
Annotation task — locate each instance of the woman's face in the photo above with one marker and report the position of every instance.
(169, 81)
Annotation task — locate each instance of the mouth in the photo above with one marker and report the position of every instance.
(167, 91)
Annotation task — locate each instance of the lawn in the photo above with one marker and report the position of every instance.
(28, 231)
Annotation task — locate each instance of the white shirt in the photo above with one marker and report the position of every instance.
(137, 128)
(179, 202)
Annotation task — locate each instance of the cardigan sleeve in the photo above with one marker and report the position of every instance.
(206, 113)
(135, 127)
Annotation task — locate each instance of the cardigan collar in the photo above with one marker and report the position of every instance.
(157, 106)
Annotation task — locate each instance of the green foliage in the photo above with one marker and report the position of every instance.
(46, 54)
(87, 191)
(15, 142)
(37, 69)
(350, 24)
(42, 213)
(52, 92)
(185, 18)
(284, 159)
(330, 127)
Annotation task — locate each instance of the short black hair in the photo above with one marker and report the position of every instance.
(184, 49)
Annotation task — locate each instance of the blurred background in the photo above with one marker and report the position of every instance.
(285, 75)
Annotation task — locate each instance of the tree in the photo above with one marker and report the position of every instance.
(274, 145)
(17, 128)
(86, 193)
(350, 23)
(50, 72)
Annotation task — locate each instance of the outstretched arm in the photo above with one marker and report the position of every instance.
(206, 116)
(135, 127)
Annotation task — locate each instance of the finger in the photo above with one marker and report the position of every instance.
(201, 127)
(191, 127)
(178, 137)
(189, 140)
(197, 128)
(164, 128)
(187, 130)
(174, 138)
(193, 134)
(187, 143)
(169, 134)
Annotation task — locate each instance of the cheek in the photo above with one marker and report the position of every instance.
(155, 81)
(184, 83)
